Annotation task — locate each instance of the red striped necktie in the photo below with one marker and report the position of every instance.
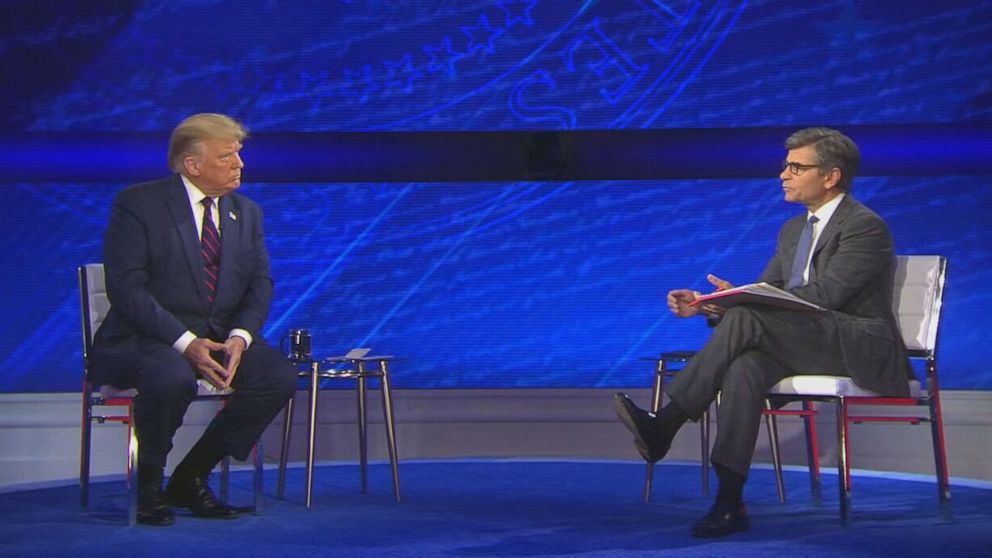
(210, 248)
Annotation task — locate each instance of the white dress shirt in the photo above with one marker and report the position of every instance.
(824, 214)
(195, 202)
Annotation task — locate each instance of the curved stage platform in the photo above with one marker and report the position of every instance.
(531, 508)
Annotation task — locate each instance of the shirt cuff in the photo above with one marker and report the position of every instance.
(242, 333)
(184, 341)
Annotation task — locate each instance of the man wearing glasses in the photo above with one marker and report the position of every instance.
(839, 255)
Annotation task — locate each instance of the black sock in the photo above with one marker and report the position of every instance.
(731, 489)
(670, 418)
(199, 462)
(149, 476)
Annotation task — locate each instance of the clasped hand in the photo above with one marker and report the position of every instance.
(680, 300)
(198, 353)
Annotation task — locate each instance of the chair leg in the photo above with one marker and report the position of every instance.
(704, 451)
(389, 417)
(771, 424)
(812, 450)
(940, 454)
(131, 472)
(706, 417)
(648, 481)
(287, 429)
(363, 427)
(258, 457)
(843, 466)
(85, 441)
(656, 394)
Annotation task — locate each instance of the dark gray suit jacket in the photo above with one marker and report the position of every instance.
(854, 263)
(154, 271)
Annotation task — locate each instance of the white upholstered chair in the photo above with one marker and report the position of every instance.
(104, 403)
(917, 302)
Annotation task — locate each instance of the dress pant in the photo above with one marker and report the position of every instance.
(167, 384)
(751, 349)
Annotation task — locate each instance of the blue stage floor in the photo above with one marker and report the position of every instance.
(510, 509)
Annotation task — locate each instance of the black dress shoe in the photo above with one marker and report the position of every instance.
(195, 494)
(650, 442)
(152, 509)
(650, 454)
(722, 519)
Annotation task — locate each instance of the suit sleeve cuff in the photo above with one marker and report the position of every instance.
(238, 332)
(183, 342)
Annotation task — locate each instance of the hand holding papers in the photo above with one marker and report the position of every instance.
(756, 293)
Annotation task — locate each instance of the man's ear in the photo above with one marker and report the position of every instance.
(833, 177)
(191, 165)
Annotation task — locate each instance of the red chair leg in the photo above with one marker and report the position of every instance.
(843, 466)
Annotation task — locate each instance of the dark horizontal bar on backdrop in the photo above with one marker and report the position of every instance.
(695, 153)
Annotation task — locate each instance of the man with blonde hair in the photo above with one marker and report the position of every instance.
(188, 278)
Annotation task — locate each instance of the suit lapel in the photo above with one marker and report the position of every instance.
(230, 238)
(182, 215)
(789, 251)
(835, 224)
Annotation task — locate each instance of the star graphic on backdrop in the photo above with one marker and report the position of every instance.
(443, 57)
(401, 75)
(361, 86)
(482, 35)
(517, 11)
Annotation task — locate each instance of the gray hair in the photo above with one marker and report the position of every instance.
(833, 149)
(190, 132)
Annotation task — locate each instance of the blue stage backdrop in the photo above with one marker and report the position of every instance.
(551, 274)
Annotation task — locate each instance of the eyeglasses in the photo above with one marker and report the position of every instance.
(797, 168)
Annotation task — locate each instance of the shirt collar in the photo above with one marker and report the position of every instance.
(827, 210)
(195, 195)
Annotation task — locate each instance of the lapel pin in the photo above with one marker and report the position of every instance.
(232, 215)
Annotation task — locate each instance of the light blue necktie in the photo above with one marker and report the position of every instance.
(802, 255)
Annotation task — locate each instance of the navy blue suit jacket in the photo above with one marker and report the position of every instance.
(154, 271)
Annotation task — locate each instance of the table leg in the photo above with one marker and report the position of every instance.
(363, 425)
(312, 429)
(387, 409)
